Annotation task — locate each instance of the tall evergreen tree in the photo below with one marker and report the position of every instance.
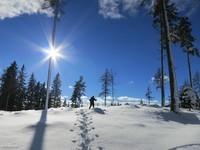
(43, 92)
(21, 89)
(37, 96)
(188, 96)
(57, 7)
(196, 83)
(148, 94)
(187, 40)
(165, 14)
(56, 91)
(112, 78)
(78, 92)
(106, 81)
(9, 88)
(31, 91)
(159, 79)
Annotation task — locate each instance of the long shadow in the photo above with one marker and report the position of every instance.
(185, 146)
(182, 117)
(37, 142)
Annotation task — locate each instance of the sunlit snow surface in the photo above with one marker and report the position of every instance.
(126, 127)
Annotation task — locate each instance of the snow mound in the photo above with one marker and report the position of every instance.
(99, 110)
(126, 127)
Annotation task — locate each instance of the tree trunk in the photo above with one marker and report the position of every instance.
(162, 80)
(189, 69)
(7, 102)
(105, 100)
(53, 46)
(112, 91)
(162, 64)
(173, 87)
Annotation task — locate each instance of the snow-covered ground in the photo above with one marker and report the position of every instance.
(127, 127)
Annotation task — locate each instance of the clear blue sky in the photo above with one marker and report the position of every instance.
(129, 46)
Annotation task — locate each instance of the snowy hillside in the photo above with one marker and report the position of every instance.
(130, 127)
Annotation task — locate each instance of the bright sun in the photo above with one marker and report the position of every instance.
(54, 53)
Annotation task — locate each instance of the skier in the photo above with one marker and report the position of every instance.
(92, 99)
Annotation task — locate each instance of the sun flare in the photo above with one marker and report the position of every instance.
(53, 53)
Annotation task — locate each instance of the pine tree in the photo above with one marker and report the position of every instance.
(57, 7)
(165, 15)
(159, 79)
(64, 103)
(106, 81)
(188, 97)
(196, 83)
(31, 91)
(21, 89)
(8, 88)
(78, 92)
(186, 40)
(43, 92)
(148, 95)
(112, 76)
(56, 91)
(37, 96)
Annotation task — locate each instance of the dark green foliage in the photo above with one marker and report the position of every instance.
(159, 80)
(185, 36)
(106, 81)
(176, 29)
(31, 92)
(15, 96)
(165, 17)
(56, 91)
(196, 83)
(149, 95)
(186, 40)
(21, 89)
(8, 90)
(43, 92)
(64, 103)
(188, 97)
(38, 96)
(79, 90)
(112, 78)
(173, 18)
(56, 5)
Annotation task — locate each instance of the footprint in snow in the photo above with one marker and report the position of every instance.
(71, 130)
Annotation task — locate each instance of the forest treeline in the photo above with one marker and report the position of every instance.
(16, 93)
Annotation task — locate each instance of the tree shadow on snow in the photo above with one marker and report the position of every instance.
(37, 142)
(182, 117)
(186, 146)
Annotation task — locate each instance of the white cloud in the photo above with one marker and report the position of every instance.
(187, 6)
(14, 8)
(70, 87)
(131, 6)
(127, 98)
(116, 9)
(166, 78)
(110, 9)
